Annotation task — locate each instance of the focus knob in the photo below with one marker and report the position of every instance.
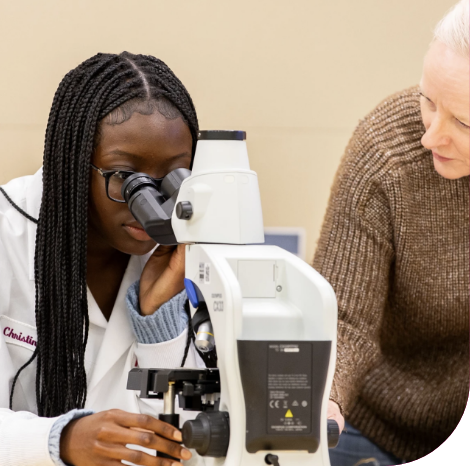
(195, 435)
(333, 433)
(208, 434)
(184, 210)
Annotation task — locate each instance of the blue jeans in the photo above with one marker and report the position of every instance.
(356, 450)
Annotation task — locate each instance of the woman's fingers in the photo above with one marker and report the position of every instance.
(146, 422)
(334, 413)
(116, 453)
(163, 250)
(177, 258)
(161, 279)
(100, 439)
(144, 438)
(148, 432)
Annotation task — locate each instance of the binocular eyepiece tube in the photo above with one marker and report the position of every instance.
(152, 202)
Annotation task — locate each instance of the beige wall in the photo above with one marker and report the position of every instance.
(296, 75)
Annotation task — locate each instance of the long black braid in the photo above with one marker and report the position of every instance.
(98, 87)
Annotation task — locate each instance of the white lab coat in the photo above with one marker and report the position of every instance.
(111, 352)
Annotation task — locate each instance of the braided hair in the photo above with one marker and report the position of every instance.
(104, 86)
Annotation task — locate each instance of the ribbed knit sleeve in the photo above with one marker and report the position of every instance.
(354, 254)
(165, 324)
(56, 432)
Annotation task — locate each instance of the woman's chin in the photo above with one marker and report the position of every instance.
(135, 247)
(449, 171)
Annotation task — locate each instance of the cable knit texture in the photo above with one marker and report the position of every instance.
(395, 248)
(167, 323)
(56, 431)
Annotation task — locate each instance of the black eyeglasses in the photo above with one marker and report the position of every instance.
(114, 179)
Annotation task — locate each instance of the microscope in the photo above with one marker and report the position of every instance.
(268, 316)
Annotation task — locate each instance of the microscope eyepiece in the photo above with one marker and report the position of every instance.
(136, 182)
(152, 201)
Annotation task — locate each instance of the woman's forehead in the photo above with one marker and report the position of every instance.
(145, 137)
(446, 78)
(140, 129)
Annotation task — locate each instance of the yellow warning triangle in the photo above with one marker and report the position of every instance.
(289, 413)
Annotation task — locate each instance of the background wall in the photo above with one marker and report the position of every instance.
(296, 75)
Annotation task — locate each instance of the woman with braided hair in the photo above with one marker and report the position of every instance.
(84, 294)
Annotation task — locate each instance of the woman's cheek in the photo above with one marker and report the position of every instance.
(106, 215)
(464, 151)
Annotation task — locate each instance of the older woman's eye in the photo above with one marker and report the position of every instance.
(463, 124)
(428, 101)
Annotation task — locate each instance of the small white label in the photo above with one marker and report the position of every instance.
(18, 333)
(207, 274)
(204, 273)
(201, 272)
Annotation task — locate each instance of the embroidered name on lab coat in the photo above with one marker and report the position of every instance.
(18, 333)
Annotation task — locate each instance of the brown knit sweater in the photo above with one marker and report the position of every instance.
(395, 248)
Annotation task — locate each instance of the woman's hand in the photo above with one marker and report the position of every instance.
(162, 278)
(101, 439)
(334, 412)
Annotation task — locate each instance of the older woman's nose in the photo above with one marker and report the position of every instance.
(436, 134)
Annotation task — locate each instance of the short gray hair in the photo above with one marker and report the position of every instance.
(453, 29)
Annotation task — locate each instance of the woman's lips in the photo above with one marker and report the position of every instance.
(440, 158)
(137, 232)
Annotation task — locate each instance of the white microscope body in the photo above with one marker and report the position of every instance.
(270, 317)
(273, 316)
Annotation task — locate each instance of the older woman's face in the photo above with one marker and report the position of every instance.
(445, 110)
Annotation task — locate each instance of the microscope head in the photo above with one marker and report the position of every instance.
(223, 194)
(219, 202)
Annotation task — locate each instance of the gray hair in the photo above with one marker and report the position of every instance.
(453, 29)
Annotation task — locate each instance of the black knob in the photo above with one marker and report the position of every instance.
(333, 433)
(208, 434)
(195, 435)
(184, 210)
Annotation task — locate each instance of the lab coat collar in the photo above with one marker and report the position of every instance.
(118, 336)
(94, 312)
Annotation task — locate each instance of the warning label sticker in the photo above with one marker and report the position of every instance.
(289, 388)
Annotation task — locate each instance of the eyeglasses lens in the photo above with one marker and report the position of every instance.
(114, 187)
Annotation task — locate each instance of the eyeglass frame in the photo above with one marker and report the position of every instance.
(107, 174)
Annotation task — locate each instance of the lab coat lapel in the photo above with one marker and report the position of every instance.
(118, 337)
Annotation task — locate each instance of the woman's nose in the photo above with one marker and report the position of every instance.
(436, 134)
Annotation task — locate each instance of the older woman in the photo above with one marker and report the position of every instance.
(395, 247)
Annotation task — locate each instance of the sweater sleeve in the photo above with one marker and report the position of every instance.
(56, 432)
(162, 338)
(165, 324)
(355, 254)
